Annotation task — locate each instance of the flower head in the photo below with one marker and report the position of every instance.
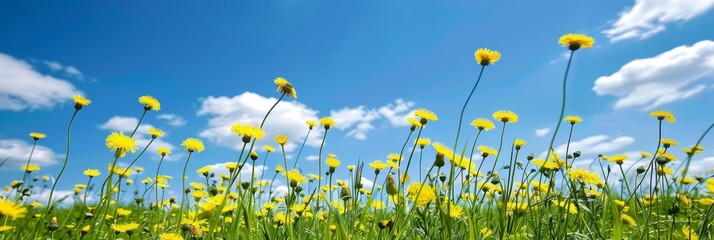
(150, 103)
(576, 41)
(247, 131)
(617, 158)
(37, 135)
(124, 228)
(573, 119)
(294, 177)
(193, 145)
(423, 197)
(163, 151)
(11, 209)
(155, 132)
(484, 56)
(170, 236)
(505, 116)
(120, 143)
(80, 101)
(425, 115)
(327, 122)
(310, 124)
(281, 139)
(30, 168)
(486, 151)
(268, 148)
(285, 87)
(483, 124)
(416, 123)
(423, 142)
(332, 162)
(663, 115)
(519, 143)
(378, 165)
(92, 172)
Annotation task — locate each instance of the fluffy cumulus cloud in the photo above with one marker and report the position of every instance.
(598, 144)
(18, 151)
(289, 118)
(21, 87)
(671, 76)
(172, 119)
(700, 166)
(127, 125)
(541, 132)
(63, 197)
(245, 172)
(649, 17)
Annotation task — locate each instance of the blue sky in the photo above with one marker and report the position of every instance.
(368, 64)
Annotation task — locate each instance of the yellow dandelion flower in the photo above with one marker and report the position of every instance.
(285, 87)
(11, 209)
(327, 122)
(667, 142)
(415, 122)
(394, 157)
(584, 176)
(427, 194)
(663, 115)
(689, 234)
(693, 150)
(706, 201)
(627, 220)
(247, 131)
(281, 139)
(163, 151)
(80, 101)
(688, 180)
(155, 132)
(572, 209)
(378, 165)
(6, 228)
(617, 158)
(425, 115)
(170, 236)
(204, 170)
(455, 211)
(519, 143)
(332, 162)
(573, 119)
(193, 145)
(294, 177)
(150, 103)
(423, 142)
(546, 165)
(485, 56)
(30, 168)
(443, 150)
(121, 143)
(576, 41)
(310, 124)
(483, 124)
(487, 151)
(123, 212)
(485, 232)
(505, 116)
(516, 208)
(37, 135)
(92, 172)
(124, 228)
(122, 172)
(645, 154)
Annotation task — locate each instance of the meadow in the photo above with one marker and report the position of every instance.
(522, 196)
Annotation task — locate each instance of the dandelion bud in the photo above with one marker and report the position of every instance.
(246, 139)
(530, 157)
(674, 210)
(298, 189)
(172, 200)
(52, 226)
(699, 178)
(439, 161)
(384, 224)
(187, 190)
(147, 229)
(641, 169)
(391, 186)
(138, 200)
(253, 155)
(344, 193)
(662, 161)
(495, 181)
(245, 185)
(577, 154)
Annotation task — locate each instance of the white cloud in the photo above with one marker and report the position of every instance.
(17, 152)
(311, 158)
(671, 76)
(74, 72)
(244, 175)
(366, 183)
(287, 118)
(54, 66)
(397, 113)
(21, 87)
(172, 119)
(598, 144)
(127, 125)
(357, 121)
(700, 167)
(66, 197)
(542, 132)
(649, 17)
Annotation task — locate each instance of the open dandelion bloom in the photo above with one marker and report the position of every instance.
(30, 168)
(505, 116)
(545, 164)
(519, 143)
(125, 227)
(247, 131)
(485, 57)
(416, 123)
(310, 124)
(333, 162)
(573, 119)
(163, 151)
(92, 172)
(268, 148)
(483, 124)
(617, 158)
(294, 177)
(486, 151)
(668, 142)
(585, 176)
(80, 101)
(378, 165)
(193, 145)
(696, 149)
(423, 142)
(37, 136)
(285, 87)
(170, 236)
(425, 115)
(281, 139)
(427, 194)
(576, 41)
(150, 103)
(689, 234)
(121, 143)
(443, 150)
(155, 132)
(122, 172)
(663, 115)
(11, 209)
(572, 209)
(327, 122)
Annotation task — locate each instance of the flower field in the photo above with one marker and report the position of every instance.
(470, 190)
